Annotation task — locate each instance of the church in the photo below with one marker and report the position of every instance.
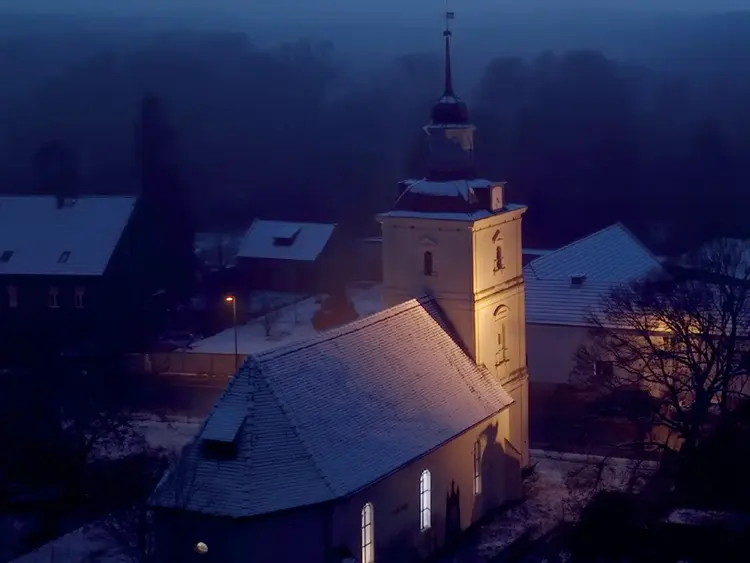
(383, 439)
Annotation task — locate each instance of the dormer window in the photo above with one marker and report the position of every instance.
(6, 256)
(63, 257)
(286, 240)
(427, 263)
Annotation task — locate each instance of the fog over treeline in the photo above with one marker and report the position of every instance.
(591, 116)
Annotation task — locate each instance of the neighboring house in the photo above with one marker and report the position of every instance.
(287, 256)
(565, 286)
(64, 261)
(383, 439)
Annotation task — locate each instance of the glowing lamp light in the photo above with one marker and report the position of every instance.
(201, 548)
(229, 298)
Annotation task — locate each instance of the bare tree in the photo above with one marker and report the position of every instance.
(671, 354)
(268, 309)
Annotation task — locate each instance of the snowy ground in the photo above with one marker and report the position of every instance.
(553, 494)
(166, 433)
(288, 324)
(560, 485)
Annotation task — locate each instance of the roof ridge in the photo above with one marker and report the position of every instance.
(295, 430)
(639, 242)
(339, 331)
(579, 240)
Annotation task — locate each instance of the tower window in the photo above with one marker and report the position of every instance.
(368, 546)
(498, 258)
(501, 355)
(427, 263)
(477, 468)
(425, 500)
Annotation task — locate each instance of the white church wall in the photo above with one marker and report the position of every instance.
(292, 535)
(396, 499)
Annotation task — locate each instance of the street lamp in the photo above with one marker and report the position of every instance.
(233, 301)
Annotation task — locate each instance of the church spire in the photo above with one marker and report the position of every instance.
(448, 74)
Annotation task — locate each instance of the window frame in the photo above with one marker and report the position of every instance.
(79, 296)
(428, 263)
(52, 297)
(425, 500)
(12, 297)
(604, 368)
(367, 533)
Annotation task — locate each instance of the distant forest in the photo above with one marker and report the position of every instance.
(290, 131)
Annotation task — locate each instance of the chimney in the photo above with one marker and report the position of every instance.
(576, 280)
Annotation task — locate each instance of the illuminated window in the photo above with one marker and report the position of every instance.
(425, 500)
(201, 548)
(52, 297)
(477, 468)
(498, 258)
(12, 297)
(79, 298)
(368, 546)
(427, 263)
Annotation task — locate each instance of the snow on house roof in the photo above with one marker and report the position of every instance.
(37, 238)
(450, 216)
(283, 240)
(613, 254)
(330, 415)
(558, 302)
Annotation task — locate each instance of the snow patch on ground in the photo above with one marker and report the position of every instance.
(169, 434)
(554, 493)
(288, 324)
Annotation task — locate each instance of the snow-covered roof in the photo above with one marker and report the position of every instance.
(558, 302)
(283, 240)
(450, 188)
(323, 418)
(38, 238)
(613, 254)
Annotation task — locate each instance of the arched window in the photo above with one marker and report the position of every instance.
(425, 500)
(368, 545)
(477, 468)
(427, 263)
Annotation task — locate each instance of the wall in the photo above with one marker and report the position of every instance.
(396, 502)
(296, 535)
(551, 351)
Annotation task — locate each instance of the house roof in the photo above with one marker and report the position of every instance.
(38, 238)
(284, 240)
(558, 302)
(323, 418)
(613, 254)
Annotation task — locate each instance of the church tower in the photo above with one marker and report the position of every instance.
(455, 237)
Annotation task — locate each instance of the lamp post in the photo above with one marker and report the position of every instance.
(233, 301)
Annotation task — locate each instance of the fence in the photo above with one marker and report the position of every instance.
(185, 363)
